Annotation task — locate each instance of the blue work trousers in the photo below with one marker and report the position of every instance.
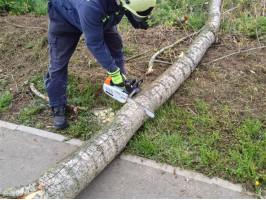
(63, 38)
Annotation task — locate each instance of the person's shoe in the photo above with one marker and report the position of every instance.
(59, 117)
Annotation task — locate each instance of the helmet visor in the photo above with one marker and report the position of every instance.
(138, 19)
(145, 12)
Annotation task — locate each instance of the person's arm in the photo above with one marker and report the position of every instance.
(132, 21)
(91, 22)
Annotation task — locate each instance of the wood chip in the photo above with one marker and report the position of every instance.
(40, 187)
(252, 72)
(181, 55)
(75, 109)
(149, 70)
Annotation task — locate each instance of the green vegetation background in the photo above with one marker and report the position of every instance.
(245, 20)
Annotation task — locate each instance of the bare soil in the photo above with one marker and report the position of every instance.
(237, 81)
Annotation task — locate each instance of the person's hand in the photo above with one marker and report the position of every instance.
(144, 23)
(117, 78)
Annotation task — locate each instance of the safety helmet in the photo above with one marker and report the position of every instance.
(139, 8)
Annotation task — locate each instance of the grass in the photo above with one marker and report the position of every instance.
(28, 114)
(80, 93)
(208, 140)
(3, 82)
(5, 101)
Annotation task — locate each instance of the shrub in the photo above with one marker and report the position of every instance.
(20, 7)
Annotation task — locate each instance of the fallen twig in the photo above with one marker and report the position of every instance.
(149, 70)
(152, 60)
(37, 93)
(15, 82)
(230, 10)
(46, 98)
(164, 62)
(191, 111)
(184, 105)
(264, 6)
(20, 26)
(252, 49)
(136, 56)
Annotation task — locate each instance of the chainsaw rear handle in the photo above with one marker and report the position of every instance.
(138, 83)
(132, 86)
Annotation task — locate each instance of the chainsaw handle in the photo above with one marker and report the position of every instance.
(138, 83)
(132, 86)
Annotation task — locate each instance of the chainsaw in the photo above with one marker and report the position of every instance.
(126, 94)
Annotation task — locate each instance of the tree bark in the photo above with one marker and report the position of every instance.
(71, 175)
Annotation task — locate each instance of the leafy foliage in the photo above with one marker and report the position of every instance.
(252, 27)
(170, 12)
(246, 18)
(23, 6)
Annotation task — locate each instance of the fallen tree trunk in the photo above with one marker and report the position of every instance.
(71, 175)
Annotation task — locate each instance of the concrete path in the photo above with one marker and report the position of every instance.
(26, 153)
(138, 178)
(25, 156)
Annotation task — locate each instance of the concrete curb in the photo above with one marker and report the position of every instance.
(187, 174)
(41, 133)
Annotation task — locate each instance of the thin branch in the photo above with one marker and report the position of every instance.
(46, 98)
(164, 62)
(230, 10)
(191, 111)
(37, 93)
(15, 82)
(184, 105)
(136, 56)
(257, 35)
(20, 26)
(252, 49)
(170, 46)
(153, 58)
(264, 7)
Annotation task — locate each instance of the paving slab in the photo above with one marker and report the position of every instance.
(25, 156)
(126, 179)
